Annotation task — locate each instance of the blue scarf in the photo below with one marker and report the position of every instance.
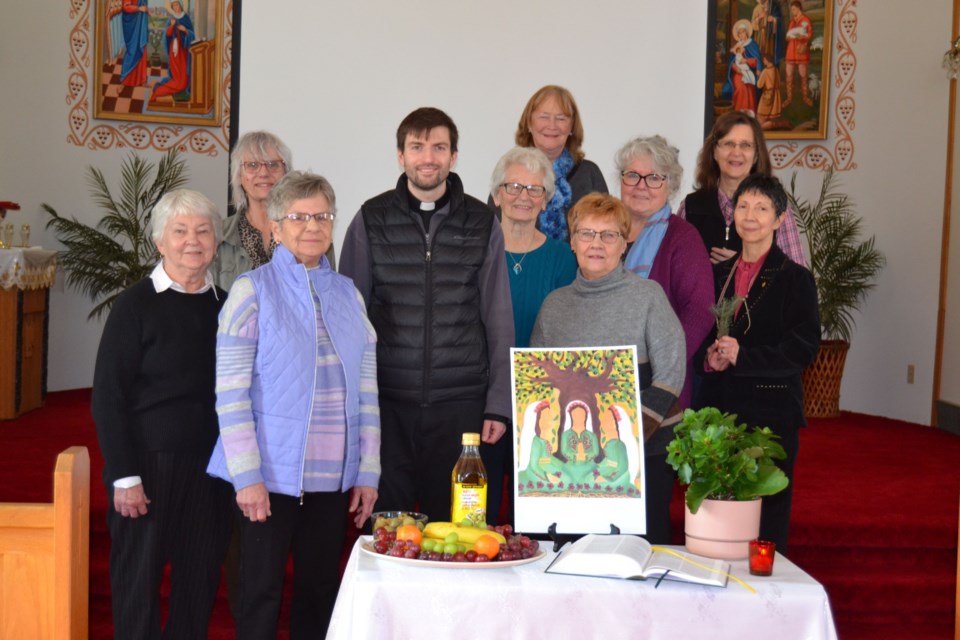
(553, 219)
(644, 250)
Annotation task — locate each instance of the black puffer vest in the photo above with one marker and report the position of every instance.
(425, 297)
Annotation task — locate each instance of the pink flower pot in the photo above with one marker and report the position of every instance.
(722, 528)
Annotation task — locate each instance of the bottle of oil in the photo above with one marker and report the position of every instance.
(468, 496)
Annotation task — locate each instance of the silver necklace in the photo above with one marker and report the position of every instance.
(517, 265)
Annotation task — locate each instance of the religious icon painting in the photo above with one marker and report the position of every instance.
(771, 59)
(159, 61)
(578, 443)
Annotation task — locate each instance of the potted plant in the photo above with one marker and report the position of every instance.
(844, 268)
(103, 260)
(726, 468)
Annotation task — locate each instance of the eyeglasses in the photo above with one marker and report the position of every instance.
(272, 166)
(547, 118)
(515, 189)
(730, 145)
(303, 218)
(632, 179)
(607, 236)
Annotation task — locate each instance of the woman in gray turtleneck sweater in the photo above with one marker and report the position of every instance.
(609, 306)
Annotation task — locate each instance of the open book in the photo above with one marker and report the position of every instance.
(633, 558)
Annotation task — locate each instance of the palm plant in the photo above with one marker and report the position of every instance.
(103, 260)
(843, 266)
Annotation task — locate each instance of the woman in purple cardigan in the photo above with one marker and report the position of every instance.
(663, 247)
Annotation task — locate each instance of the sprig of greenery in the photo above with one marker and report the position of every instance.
(724, 312)
(103, 260)
(720, 460)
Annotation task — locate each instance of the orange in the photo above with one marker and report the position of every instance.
(409, 533)
(488, 546)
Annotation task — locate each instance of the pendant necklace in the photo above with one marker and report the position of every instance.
(517, 266)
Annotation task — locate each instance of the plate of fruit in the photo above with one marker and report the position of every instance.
(452, 546)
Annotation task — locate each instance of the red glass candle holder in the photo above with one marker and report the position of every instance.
(761, 557)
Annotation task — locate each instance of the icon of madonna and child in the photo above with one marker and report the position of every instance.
(579, 455)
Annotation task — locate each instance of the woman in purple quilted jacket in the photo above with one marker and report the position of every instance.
(299, 414)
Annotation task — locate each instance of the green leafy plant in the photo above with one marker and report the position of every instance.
(103, 260)
(720, 460)
(843, 266)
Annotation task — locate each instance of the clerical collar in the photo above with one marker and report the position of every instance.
(428, 207)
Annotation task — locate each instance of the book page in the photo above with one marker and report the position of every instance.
(688, 567)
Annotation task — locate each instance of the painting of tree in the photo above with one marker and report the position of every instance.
(596, 377)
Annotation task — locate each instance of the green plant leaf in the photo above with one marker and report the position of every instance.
(103, 260)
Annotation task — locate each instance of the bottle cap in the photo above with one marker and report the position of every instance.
(471, 439)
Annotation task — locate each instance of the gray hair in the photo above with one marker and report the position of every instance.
(298, 185)
(184, 202)
(665, 158)
(258, 145)
(531, 159)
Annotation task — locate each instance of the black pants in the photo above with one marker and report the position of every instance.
(658, 483)
(775, 512)
(314, 533)
(498, 461)
(187, 524)
(419, 447)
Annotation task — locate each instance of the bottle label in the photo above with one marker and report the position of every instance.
(469, 502)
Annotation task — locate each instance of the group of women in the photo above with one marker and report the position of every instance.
(290, 364)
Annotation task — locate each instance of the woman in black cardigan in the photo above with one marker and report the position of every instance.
(754, 371)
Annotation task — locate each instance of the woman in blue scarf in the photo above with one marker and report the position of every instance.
(551, 123)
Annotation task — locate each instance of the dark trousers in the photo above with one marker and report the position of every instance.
(187, 525)
(314, 533)
(775, 512)
(659, 478)
(498, 461)
(419, 447)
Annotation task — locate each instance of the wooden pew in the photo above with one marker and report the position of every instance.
(45, 557)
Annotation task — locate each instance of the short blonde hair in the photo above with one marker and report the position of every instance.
(599, 205)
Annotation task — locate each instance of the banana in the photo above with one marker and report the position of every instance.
(467, 535)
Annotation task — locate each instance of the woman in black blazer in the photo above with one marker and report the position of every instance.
(755, 371)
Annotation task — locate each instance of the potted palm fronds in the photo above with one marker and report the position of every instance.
(726, 468)
(103, 260)
(844, 268)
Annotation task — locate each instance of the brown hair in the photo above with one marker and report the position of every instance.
(603, 206)
(523, 136)
(708, 171)
(422, 122)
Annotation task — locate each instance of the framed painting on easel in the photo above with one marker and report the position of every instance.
(578, 444)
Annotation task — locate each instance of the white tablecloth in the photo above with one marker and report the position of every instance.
(27, 268)
(384, 599)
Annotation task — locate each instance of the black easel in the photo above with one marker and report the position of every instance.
(560, 539)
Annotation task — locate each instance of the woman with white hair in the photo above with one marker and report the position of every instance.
(521, 186)
(154, 407)
(299, 414)
(662, 246)
(258, 161)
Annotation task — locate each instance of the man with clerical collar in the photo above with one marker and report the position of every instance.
(429, 262)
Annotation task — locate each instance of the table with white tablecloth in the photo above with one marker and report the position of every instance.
(381, 598)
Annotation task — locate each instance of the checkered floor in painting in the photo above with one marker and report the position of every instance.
(118, 98)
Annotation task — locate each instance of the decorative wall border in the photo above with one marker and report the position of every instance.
(818, 156)
(85, 131)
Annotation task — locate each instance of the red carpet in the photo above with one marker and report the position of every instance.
(875, 516)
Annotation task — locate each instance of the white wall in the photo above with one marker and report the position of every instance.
(634, 67)
(38, 165)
